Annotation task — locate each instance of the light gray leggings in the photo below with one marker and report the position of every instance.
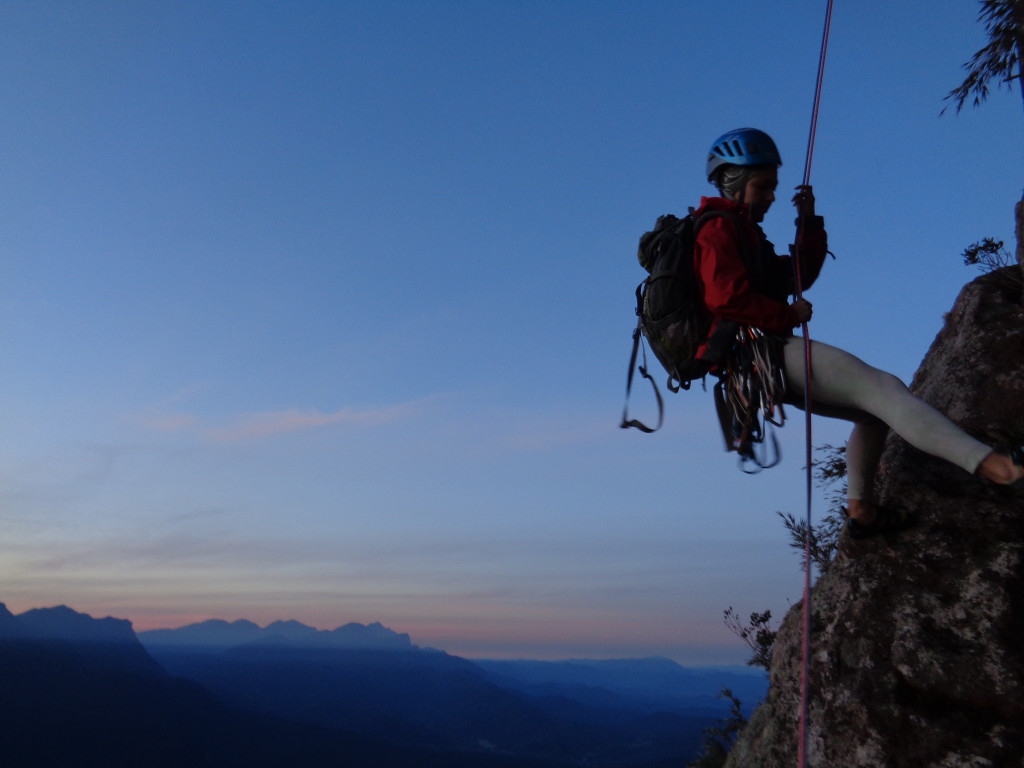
(845, 387)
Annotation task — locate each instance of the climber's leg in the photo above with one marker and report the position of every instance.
(839, 379)
(863, 450)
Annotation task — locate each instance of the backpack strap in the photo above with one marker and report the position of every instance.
(638, 345)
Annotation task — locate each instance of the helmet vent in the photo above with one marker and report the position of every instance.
(743, 146)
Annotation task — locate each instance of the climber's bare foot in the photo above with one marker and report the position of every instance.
(862, 511)
(1000, 468)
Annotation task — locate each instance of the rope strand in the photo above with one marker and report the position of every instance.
(817, 94)
(805, 671)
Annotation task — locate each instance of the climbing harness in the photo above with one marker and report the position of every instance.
(748, 398)
(806, 643)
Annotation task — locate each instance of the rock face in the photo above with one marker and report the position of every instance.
(1019, 219)
(917, 650)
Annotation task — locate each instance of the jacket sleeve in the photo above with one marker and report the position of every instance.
(812, 248)
(727, 290)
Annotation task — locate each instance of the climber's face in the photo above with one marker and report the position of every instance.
(759, 193)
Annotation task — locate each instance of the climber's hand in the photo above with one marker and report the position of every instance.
(803, 200)
(803, 310)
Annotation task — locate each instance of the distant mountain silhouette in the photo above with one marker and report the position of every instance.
(78, 691)
(103, 643)
(65, 624)
(10, 627)
(216, 633)
(66, 702)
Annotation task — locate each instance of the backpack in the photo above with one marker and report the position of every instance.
(670, 312)
(672, 317)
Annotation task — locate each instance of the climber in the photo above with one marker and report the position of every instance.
(745, 287)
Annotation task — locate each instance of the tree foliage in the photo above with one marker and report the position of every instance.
(757, 634)
(987, 255)
(830, 475)
(1001, 60)
(718, 739)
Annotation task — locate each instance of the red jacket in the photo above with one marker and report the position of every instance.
(729, 289)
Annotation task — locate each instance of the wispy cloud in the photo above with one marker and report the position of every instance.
(256, 425)
(253, 426)
(169, 422)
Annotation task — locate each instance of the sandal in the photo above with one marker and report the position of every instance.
(887, 520)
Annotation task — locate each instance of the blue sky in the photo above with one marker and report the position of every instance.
(322, 310)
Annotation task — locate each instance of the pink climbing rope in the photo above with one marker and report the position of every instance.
(805, 651)
(817, 94)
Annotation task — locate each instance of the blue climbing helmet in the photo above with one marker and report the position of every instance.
(743, 146)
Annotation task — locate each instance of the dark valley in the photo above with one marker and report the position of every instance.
(90, 692)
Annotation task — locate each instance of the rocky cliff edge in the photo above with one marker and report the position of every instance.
(917, 650)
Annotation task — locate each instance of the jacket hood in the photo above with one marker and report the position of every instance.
(723, 204)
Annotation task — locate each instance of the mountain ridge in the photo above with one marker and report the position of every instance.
(218, 633)
(358, 690)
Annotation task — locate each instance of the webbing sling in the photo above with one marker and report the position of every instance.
(638, 345)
